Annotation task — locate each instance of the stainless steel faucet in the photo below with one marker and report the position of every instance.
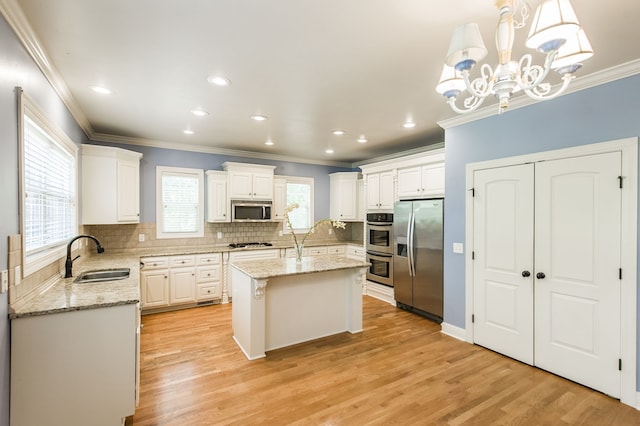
(68, 264)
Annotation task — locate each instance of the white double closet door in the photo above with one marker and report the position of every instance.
(546, 269)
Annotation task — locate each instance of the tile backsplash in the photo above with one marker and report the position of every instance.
(120, 237)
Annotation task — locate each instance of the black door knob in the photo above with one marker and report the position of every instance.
(540, 275)
(526, 274)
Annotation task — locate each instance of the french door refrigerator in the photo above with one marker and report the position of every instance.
(417, 256)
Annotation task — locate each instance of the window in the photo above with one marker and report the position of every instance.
(48, 188)
(300, 190)
(179, 202)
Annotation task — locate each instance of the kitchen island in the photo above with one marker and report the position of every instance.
(281, 302)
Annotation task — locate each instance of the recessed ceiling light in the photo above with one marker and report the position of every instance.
(101, 90)
(362, 139)
(409, 125)
(199, 112)
(329, 151)
(269, 142)
(259, 117)
(338, 132)
(218, 80)
(188, 132)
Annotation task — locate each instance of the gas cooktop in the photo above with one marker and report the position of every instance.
(242, 245)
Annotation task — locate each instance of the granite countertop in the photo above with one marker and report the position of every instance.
(264, 269)
(64, 294)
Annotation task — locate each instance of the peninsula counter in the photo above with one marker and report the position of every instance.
(280, 302)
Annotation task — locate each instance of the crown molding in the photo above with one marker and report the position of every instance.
(391, 158)
(617, 72)
(14, 16)
(102, 137)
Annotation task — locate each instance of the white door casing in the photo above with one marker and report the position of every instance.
(628, 244)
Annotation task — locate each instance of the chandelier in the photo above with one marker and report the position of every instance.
(555, 32)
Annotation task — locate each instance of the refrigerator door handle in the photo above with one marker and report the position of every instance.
(410, 259)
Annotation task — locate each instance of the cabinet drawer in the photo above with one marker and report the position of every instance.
(155, 262)
(182, 261)
(208, 259)
(208, 273)
(356, 253)
(336, 250)
(316, 251)
(209, 291)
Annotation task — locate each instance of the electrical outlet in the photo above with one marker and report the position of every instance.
(219, 235)
(330, 231)
(141, 238)
(17, 278)
(280, 233)
(4, 281)
(458, 248)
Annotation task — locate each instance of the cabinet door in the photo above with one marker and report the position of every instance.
(409, 182)
(346, 200)
(279, 198)
(240, 185)
(433, 180)
(128, 191)
(217, 200)
(183, 285)
(387, 196)
(373, 191)
(154, 288)
(262, 186)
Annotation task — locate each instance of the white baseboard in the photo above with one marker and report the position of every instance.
(381, 292)
(453, 331)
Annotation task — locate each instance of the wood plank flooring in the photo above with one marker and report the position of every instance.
(401, 370)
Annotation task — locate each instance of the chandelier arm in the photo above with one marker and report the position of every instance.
(544, 95)
(535, 72)
(482, 86)
(470, 104)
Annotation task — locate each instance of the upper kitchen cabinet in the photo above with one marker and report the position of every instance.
(380, 194)
(343, 191)
(279, 198)
(421, 181)
(110, 185)
(218, 205)
(249, 181)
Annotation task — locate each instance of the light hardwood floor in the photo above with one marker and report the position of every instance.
(400, 370)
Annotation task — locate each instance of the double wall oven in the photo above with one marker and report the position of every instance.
(380, 247)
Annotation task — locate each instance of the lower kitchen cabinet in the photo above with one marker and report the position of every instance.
(75, 368)
(170, 281)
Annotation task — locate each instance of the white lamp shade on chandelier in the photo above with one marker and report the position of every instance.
(555, 31)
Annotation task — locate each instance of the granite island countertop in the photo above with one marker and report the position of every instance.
(264, 269)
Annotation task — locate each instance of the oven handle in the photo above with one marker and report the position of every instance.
(410, 245)
(388, 224)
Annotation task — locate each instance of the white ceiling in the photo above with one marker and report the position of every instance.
(311, 66)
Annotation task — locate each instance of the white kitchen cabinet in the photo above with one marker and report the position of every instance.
(75, 368)
(361, 212)
(380, 193)
(154, 288)
(208, 277)
(343, 196)
(182, 285)
(279, 198)
(110, 185)
(421, 181)
(357, 253)
(218, 204)
(249, 181)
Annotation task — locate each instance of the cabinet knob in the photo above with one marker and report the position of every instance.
(526, 274)
(540, 275)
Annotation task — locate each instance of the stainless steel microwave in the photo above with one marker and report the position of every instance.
(250, 211)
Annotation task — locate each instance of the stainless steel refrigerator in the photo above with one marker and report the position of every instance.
(417, 256)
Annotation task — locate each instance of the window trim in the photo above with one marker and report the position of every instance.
(26, 106)
(301, 180)
(197, 173)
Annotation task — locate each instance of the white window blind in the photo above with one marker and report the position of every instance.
(49, 190)
(180, 203)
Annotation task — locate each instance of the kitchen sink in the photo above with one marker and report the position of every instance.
(102, 275)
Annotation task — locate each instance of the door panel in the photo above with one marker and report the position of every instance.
(402, 280)
(427, 283)
(503, 248)
(577, 303)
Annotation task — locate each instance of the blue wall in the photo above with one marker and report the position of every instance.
(153, 157)
(604, 113)
(18, 69)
